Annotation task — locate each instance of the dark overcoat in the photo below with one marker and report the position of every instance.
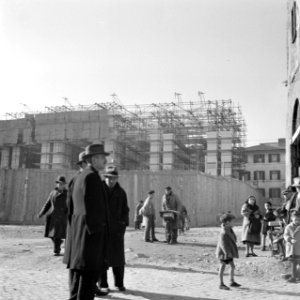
(89, 224)
(70, 213)
(118, 220)
(56, 210)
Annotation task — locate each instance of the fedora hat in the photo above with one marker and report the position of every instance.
(289, 189)
(94, 149)
(61, 179)
(81, 158)
(111, 171)
(296, 181)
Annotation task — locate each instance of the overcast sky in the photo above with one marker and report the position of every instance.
(145, 51)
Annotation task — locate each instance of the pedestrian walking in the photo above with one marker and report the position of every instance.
(138, 218)
(251, 225)
(56, 210)
(118, 220)
(171, 202)
(88, 227)
(227, 249)
(148, 212)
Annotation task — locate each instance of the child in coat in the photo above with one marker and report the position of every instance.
(266, 230)
(227, 249)
(289, 234)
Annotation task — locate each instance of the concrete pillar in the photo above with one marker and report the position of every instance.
(211, 161)
(5, 157)
(155, 151)
(46, 155)
(61, 156)
(16, 156)
(226, 153)
(168, 151)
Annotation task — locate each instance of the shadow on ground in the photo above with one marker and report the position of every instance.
(140, 295)
(169, 269)
(274, 292)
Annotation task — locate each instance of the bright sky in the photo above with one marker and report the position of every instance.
(145, 51)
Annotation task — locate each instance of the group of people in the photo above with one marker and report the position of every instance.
(92, 214)
(256, 227)
(173, 212)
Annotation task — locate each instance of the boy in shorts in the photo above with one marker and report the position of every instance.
(227, 249)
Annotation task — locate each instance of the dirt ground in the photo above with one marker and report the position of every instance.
(25, 248)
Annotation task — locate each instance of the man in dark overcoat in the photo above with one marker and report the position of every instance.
(89, 226)
(118, 220)
(56, 210)
(82, 165)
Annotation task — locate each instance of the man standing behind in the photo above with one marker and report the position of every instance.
(138, 218)
(118, 220)
(170, 201)
(89, 226)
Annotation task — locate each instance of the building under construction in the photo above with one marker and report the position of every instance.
(204, 135)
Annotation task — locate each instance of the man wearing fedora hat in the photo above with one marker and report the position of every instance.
(56, 210)
(88, 227)
(118, 220)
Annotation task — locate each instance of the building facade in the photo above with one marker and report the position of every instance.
(265, 169)
(293, 84)
(206, 136)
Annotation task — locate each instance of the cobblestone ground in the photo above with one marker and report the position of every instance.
(28, 271)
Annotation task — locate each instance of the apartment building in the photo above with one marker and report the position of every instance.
(265, 169)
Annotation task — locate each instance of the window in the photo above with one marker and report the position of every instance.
(262, 191)
(274, 175)
(247, 176)
(274, 158)
(259, 175)
(294, 22)
(258, 158)
(274, 193)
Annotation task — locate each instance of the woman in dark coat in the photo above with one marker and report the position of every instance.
(56, 210)
(251, 225)
(118, 220)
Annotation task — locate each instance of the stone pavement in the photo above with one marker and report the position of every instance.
(143, 282)
(28, 272)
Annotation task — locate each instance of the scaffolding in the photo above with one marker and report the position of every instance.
(170, 135)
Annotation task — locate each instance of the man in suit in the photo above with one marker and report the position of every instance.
(88, 227)
(119, 219)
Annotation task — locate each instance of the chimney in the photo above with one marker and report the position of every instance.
(281, 142)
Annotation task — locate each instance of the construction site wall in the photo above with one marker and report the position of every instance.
(23, 192)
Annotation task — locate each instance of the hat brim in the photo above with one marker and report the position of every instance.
(60, 181)
(111, 175)
(95, 153)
